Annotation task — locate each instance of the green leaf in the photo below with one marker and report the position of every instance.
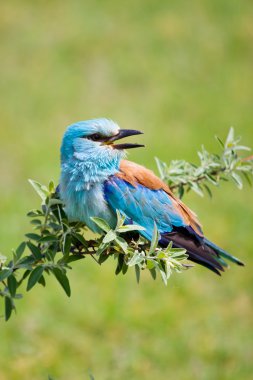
(20, 250)
(124, 268)
(62, 279)
(137, 273)
(66, 244)
(34, 213)
(34, 277)
(195, 187)
(51, 187)
(103, 257)
(25, 261)
(247, 177)
(220, 141)
(54, 201)
(154, 241)
(208, 190)
(101, 223)
(8, 307)
(33, 236)
(2, 259)
(161, 167)
(36, 222)
(4, 273)
(110, 236)
(164, 276)
(241, 147)
(81, 239)
(71, 258)
(35, 250)
(153, 273)
(12, 285)
(120, 219)
(237, 180)
(48, 238)
(120, 263)
(137, 258)
(150, 263)
(230, 137)
(181, 191)
(122, 243)
(101, 248)
(41, 190)
(42, 281)
(130, 227)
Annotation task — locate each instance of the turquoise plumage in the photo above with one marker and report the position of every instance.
(96, 180)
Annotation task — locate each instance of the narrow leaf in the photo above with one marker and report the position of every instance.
(33, 236)
(81, 239)
(66, 244)
(51, 187)
(4, 273)
(12, 285)
(20, 250)
(101, 223)
(63, 280)
(110, 236)
(42, 281)
(153, 273)
(120, 263)
(34, 277)
(48, 238)
(8, 307)
(41, 190)
(122, 243)
(35, 250)
(155, 239)
(130, 227)
(230, 137)
(237, 180)
(137, 258)
(137, 273)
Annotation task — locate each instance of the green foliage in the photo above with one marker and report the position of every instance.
(55, 242)
(228, 165)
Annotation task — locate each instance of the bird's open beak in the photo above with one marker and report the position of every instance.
(124, 133)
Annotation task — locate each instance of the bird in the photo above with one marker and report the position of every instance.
(96, 180)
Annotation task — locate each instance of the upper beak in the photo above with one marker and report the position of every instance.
(124, 133)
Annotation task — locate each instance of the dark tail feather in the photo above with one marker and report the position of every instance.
(223, 253)
(201, 252)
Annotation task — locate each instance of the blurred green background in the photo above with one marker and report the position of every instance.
(182, 72)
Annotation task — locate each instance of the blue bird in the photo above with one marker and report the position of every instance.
(96, 180)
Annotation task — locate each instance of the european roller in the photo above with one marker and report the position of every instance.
(96, 180)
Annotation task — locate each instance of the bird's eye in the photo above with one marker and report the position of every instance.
(95, 137)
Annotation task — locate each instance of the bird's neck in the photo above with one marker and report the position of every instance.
(83, 172)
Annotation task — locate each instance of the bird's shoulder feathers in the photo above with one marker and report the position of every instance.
(136, 174)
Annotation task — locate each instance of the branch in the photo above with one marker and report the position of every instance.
(55, 242)
(213, 168)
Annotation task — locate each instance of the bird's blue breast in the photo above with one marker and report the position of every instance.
(81, 205)
(83, 194)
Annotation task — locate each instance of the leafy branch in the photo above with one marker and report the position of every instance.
(183, 176)
(55, 243)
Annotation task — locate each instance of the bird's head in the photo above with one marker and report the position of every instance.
(94, 141)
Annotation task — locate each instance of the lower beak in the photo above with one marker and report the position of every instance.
(124, 133)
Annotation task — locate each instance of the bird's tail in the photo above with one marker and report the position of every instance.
(223, 254)
(202, 252)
